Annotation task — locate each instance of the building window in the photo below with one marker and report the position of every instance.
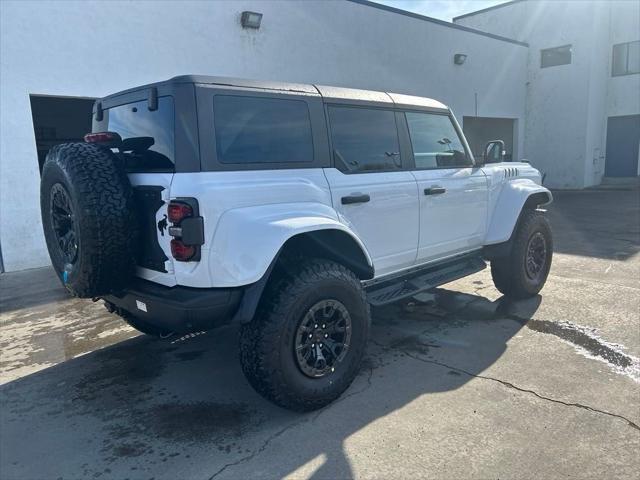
(626, 58)
(551, 57)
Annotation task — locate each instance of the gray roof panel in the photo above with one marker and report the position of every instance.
(340, 95)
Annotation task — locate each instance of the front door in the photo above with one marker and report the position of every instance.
(370, 187)
(623, 137)
(453, 193)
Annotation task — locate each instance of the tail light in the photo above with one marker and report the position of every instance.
(182, 252)
(187, 228)
(177, 211)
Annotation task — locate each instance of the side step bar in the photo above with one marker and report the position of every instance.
(425, 278)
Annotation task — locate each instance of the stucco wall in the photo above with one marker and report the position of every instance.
(95, 48)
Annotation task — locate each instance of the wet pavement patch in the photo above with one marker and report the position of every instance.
(194, 422)
(587, 340)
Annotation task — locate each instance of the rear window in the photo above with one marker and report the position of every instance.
(148, 143)
(252, 130)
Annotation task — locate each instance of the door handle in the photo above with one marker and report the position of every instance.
(434, 191)
(350, 199)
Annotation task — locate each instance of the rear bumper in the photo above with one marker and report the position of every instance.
(178, 309)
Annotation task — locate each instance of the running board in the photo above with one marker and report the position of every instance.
(426, 278)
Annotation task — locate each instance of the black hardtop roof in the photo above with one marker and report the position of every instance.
(327, 92)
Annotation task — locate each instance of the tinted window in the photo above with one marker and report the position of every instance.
(262, 130)
(435, 141)
(551, 57)
(364, 139)
(147, 136)
(626, 58)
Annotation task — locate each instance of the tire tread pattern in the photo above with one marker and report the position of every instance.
(105, 220)
(258, 355)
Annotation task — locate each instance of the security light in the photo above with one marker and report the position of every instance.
(251, 19)
(459, 58)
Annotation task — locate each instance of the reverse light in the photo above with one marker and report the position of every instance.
(182, 252)
(177, 211)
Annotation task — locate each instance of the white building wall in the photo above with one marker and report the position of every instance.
(567, 105)
(624, 26)
(92, 49)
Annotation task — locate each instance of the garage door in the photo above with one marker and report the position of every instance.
(623, 143)
(480, 130)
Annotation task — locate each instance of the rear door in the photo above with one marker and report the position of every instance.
(453, 192)
(371, 188)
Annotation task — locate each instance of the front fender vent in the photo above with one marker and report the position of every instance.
(511, 172)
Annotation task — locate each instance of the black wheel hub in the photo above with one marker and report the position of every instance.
(63, 223)
(322, 338)
(536, 256)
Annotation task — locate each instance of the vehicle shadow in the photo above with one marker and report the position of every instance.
(596, 223)
(182, 409)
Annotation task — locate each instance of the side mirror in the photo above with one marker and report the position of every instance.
(494, 152)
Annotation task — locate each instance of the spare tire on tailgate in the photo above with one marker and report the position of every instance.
(89, 223)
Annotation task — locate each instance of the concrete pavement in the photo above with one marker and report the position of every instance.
(457, 383)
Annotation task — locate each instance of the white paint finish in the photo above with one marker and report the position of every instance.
(388, 224)
(567, 105)
(92, 52)
(507, 194)
(248, 239)
(247, 217)
(455, 221)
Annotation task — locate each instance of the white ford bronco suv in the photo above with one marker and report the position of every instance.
(287, 208)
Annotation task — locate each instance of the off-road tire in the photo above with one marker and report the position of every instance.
(103, 217)
(267, 342)
(509, 273)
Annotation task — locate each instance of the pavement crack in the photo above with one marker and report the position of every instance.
(525, 390)
(264, 445)
(277, 434)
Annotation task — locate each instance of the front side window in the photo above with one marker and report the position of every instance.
(252, 130)
(626, 58)
(148, 141)
(551, 57)
(364, 139)
(435, 141)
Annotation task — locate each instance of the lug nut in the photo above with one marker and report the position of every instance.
(326, 335)
(315, 326)
(324, 325)
(310, 335)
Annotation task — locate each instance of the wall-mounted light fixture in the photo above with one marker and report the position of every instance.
(251, 19)
(459, 58)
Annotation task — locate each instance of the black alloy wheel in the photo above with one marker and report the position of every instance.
(322, 338)
(536, 256)
(63, 223)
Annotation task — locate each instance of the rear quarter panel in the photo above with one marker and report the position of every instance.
(247, 216)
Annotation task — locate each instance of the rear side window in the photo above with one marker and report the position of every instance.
(148, 141)
(364, 139)
(252, 130)
(435, 141)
